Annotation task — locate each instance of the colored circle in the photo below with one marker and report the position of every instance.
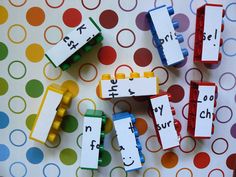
(68, 156)
(187, 144)
(54, 5)
(51, 73)
(55, 144)
(34, 52)
(98, 94)
(193, 74)
(95, 6)
(83, 172)
(106, 158)
(169, 160)
(185, 111)
(69, 124)
(30, 121)
(224, 114)
(233, 131)
(190, 41)
(79, 140)
(14, 33)
(162, 74)
(18, 169)
(182, 172)
(51, 169)
(219, 146)
(230, 9)
(227, 81)
(125, 38)
(17, 69)
(82, 109)
(183, 22)
(17, 4)
(109, 126)
(197, 4)
(34, 88)
(4, 152)
(214, 172)
(107, 55)
(72, 17)
(72, 86)
(176, 92)
(117, 171)
(4, 120)
(18, 137)
(152, 142)
(212, 66)
(143, 57)
(34, 155)
(227, 47)
(88, 72)
(201, 160)
(131, 6)
(122, 66)
(141, 125)
(50, 34)
(4, 15)
(35, 16)
(114, 143)
(3, 48)
(108, 19)
(142, 22)
(3, 86)
(122, 106)
(17, 101)
(231, 162)
(157, 172)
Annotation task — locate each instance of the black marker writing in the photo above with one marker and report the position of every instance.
(80, 28)
(156, 109)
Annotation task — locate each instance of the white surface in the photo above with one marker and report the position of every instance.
(89, 157)
(127, 140)
(212, 22)
(140, 87)
(203, 126)
(59, 53)
(46, 116)
(163, 25)
(164, 117)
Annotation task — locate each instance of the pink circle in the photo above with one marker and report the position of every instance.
(176, 92)
(201, 160)
(107, 55)
(72, 17)
(142, 57)
(108, 19)
(142, 22)
(187, 138)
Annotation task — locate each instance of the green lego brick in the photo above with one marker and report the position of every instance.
(76, 57)
(91, 19)
(87, 47)
(99, 38)
(94, 113)
(50, 60)
(65, 66)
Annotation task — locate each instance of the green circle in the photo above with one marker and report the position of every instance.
(106, 158)
(68, 156)
(9, 69)
(17, 112)
(34, 88)
(55, 144)
(69, 124)
(3, 51)
(30, 121)
(77, 141)
(3, 86)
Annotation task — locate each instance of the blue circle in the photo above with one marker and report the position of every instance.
(4, 120)
(18, 163)
(223, 48)
(51, 164)
(15, 131)
(4, 152)
(232, 20)
(34, 155)
(192, 8)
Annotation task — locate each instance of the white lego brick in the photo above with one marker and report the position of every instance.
(165, 122)
(90, 142)
(212, 33)
(46, 116)
(127, 143)
(166, 32)
(82, 34)
(129, 87)
(205, 110)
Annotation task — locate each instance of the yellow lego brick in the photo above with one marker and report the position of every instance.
(106, 77)
(134, 75)
(148, 74)
(120, 76)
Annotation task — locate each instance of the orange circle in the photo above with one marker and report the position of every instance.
(141, 125)
(72, 86)
(35, 16)
(34, 52)
(169, 160)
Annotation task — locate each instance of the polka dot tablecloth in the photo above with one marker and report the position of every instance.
(29, 28)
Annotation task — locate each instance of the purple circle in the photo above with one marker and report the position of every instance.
(183, 22)
(189, 45)
(220, 81)
(233, 131)
(230, 117)
(212, 66)
(182, 63)
(142, 22)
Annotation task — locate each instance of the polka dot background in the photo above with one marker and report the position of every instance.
(128, 46)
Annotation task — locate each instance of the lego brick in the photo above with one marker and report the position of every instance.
(130, 146)
(94, 113)
(72, 42)
(166, 39)
(122, 86)
(164, 121)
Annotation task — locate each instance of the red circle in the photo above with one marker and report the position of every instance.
(142, 57)
(107, 55)
(216, 169)
(201, 160)
(177, 93)
(72, 17)
(54, 7)
(91, 8)
(231, 162)
(108, 19)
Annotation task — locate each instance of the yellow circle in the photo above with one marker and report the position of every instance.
(9, 31)
(34, 52)
(72, 86)
(85, 99)
(3, 15)
(109, 126)
(51, 78)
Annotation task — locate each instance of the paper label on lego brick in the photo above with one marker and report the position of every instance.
(72, 42)
(128, 87)
(165, 122)
(91, 142)
(212, 33)
(205, 110)
(167, 36)
(46, 116)
(127, 143)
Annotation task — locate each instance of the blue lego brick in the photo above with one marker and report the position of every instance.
(123, 115)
